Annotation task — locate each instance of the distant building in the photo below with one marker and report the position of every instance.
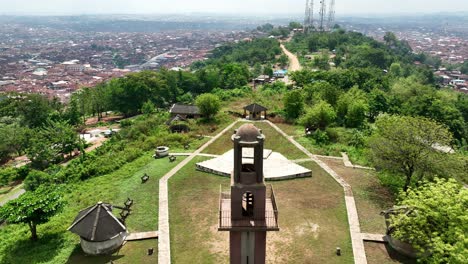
(185, 111)
(255, 112)
(280, 73)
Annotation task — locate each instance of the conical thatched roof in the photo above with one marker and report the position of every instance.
(97, 223)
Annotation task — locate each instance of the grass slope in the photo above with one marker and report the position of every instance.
(56, 245)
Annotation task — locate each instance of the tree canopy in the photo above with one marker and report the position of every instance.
(437, 221)
(33, 208)
(410, 146)
(209, 105)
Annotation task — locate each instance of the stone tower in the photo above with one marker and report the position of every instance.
(249, 210)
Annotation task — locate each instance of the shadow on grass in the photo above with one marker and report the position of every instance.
(43, 250)
(78, 256)
(393, 254)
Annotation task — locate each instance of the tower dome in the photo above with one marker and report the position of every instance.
(248, 133)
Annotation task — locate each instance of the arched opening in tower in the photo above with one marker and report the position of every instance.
(248, 204)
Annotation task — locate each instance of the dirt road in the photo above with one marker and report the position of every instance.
(294, 64)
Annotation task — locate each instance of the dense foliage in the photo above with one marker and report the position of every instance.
(209, 105)
(436, 223)
(262, 50)
(410, 146)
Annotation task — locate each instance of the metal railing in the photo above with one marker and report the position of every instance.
(267, 219)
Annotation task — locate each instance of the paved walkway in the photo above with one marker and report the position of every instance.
(164, 247)
(13, 194)
(348, 163)
(190, 154)
(141, 236)
(374, 237)
(353, 219)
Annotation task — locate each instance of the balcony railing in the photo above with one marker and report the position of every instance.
(256, 222)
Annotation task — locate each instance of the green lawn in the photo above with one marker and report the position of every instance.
(274, 141)
(290, 129)
(312, 219)
(193, 216)
(56, 245)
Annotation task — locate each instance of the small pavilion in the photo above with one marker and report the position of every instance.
(100, 231)
(255, 112)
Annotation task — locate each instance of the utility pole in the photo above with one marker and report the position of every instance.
(323, 11)
(331, 15)
(309, 16)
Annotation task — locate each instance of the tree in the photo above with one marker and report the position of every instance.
(33, 208)
(268, 71)
(234, 75)
(293, 104)
(464, 67)
(352, 108)
(356, 114)
(322, 61)
(148, 108)
(378, 103)
(49, 144)
(209, 105)
(34, 110)
(437, 221)
(35, 179)
(319, 116)
(72, 112)
(283, 60)
(14, 140)
(408, 145)
(257, 70)
(294, 25)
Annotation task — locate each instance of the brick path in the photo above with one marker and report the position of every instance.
(164, 247)
(353, 219)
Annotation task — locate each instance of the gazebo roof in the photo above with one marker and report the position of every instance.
(97, 223)
(184, 109)
(255, 108)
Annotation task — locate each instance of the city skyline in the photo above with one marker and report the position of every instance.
(343, 7)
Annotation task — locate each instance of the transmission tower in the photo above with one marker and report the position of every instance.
(331, 15)
(309, 16)
(322, 13)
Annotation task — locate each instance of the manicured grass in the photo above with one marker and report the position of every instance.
(193, 217)
(56, 245)
(370, 196)
(290, 129)
(312, 219)
(273, 141)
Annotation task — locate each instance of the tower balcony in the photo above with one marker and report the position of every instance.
(267, 220)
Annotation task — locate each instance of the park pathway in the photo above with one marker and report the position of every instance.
(164, 247)
(353, 219)
(13, 194)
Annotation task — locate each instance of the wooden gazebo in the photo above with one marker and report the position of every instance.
(255, 112)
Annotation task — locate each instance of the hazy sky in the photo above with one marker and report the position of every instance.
(222, 6)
